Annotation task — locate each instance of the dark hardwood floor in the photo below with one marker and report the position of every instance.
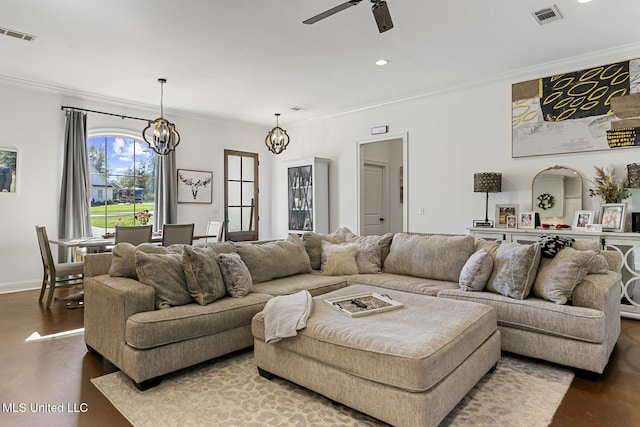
(56, 373)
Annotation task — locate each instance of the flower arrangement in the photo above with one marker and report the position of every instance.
(606, 186)
(143, 216)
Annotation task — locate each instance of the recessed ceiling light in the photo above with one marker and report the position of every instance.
(382, 62)
(584, 1)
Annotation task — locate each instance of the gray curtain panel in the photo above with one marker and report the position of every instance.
(75, 192)
(166, 206)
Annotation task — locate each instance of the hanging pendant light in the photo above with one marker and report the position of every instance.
(161, 135)
(277, 138)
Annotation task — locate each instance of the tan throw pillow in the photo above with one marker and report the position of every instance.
(476, 271)
(313, 245)
(514, 269)
(558, 277)
(202, 274)
(339, 259)
(123, 263)
(221, 247)
(163, 272)
(235, 274)
(368, 258)
(598, 264)
(272, 260)
(383, 240)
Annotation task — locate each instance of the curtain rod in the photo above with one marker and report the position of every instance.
(66, 107)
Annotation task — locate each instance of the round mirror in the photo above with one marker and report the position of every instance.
(556, 193)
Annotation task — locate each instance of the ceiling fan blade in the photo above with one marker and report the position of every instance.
(331, 11)
(382, 16)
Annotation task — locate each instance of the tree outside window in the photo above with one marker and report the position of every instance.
(122, 175)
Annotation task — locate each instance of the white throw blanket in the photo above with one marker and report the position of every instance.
(285, 315)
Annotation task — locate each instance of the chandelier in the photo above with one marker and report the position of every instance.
(277, 138)
(161, 135)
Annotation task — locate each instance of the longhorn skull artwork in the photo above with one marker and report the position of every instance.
(194, 184)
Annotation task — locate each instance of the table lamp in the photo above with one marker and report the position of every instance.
(486, 182)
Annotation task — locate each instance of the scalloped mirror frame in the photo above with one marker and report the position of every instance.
(569, 198)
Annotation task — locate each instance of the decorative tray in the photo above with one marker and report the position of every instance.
(363, 304)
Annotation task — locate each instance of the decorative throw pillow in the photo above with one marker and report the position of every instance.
(514, 269)
(383, 240)
(235, 274)
(163, 272)
(272, 260)
(123, 263)
(476, 271)
(551, 245)
(558, 277)
(368, 258)
(313, 245)
(202, 274)
(598, 265)
(339, 259)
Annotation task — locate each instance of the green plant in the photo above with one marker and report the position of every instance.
(606, 187)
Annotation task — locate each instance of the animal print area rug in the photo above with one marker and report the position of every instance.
(229, 392)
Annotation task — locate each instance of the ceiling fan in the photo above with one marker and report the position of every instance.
(380, 13)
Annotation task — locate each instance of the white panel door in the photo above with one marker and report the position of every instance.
(373, 200)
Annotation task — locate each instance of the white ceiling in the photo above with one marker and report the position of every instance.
(247, 59)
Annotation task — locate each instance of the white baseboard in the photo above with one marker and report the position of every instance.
(6, 288)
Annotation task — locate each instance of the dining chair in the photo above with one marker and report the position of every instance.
(215, 229)
(177, 233)
(62, 274)
(135, 235)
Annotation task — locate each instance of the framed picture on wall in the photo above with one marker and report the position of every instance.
(612, 216)
(8, 170)
(502, 212)
(581, 219)
(195, 186)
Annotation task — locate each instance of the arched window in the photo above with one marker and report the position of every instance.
(122, 175)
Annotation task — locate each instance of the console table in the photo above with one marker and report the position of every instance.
(625, 243)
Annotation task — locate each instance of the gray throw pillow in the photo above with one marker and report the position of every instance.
(123, 263)
(558, 277)
(272, 260)
(476, 271)
(202, 274)
(163, 272)
(313, 245)
(383, 240)
(339, 259)
(235, 274)
(368, 258)
(514, 269)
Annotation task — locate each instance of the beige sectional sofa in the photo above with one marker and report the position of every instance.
(125, 324)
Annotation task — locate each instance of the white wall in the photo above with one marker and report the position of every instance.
(33, 122)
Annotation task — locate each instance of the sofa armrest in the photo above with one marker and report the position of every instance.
(598, 291)
(97, 264)
(109, 302)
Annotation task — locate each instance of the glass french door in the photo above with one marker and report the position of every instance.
(241, 195)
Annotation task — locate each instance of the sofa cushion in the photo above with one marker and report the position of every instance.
(383, 240)
(315, 283)
(339, 259)
(271, 260)
(558, 277)
(221, 247)
(430, 257)
(123, 263)
(235, 274)
(538, 315)
(514, 269)
(151, 329)
(163, 272)
(202, 274)
(313, 245)
(476, 271)
(401, 282)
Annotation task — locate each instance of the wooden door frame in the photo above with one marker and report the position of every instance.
(241, 236)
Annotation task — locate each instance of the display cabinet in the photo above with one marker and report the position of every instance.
(628, 244)
(308, 201)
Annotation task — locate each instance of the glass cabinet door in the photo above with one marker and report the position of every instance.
(301, 198)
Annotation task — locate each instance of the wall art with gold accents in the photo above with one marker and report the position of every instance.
(587, 110)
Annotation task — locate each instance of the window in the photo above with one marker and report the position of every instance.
(241, 195)
(122, 174)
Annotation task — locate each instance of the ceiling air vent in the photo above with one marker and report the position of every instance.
(17, 34)
(546, 15)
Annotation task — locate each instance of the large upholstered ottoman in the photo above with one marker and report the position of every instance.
(407, 367)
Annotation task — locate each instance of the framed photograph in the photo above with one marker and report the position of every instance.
(612, 216)
(502, 212)
(195, 186)
(8, 170)
(581, 219)
(527, 220)
(512, 221)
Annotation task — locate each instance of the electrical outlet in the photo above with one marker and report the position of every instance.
(421, 211)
